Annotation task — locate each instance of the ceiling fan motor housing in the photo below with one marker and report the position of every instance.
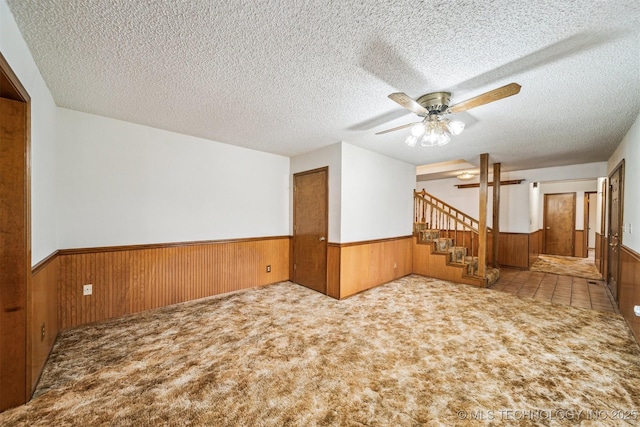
(436, 102)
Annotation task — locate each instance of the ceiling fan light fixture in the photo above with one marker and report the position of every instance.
(435, 130)
(418, 130)
(411, 140)
(435, 138)
(455, 127)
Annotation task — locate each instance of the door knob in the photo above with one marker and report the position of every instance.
(548, 228)
(614, 240)
(322, 239)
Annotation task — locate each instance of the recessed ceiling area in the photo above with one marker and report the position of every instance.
(291, 76)
(448, 169)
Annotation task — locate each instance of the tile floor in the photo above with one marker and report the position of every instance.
(567, 290)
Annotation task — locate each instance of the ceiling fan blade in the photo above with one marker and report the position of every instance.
(407, 102)
(485, 98)
(397, 128)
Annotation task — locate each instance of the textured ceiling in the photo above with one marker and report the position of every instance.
(291, 76)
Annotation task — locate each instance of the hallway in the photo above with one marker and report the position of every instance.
(557, 289)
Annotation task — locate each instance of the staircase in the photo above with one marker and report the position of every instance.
(447, 243)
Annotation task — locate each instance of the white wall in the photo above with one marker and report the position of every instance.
(534, 207)
(515, 200)
(377, 195)
(593, 218)
(120, 183)
(330, 156)
(629, 150)
(43, 131)
(370, 195)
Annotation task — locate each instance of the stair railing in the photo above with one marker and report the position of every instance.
(432, 214)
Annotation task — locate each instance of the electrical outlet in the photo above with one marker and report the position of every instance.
(636, 310)
(42, 332)
(268, 268)
(87, 290)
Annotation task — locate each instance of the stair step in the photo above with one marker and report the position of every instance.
(428, 235)
(471, 260)
(442, 244)
(493, 274)
(457, 254)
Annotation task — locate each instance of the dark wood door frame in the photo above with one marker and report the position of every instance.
(603, 230)
(614, 230)
(15, 264)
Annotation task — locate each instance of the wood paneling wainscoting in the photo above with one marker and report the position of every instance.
(535, 246)
(435, 265)
(629, 290)
(355, 267)
(129, 279)
(578, 247)
(43, 309)
(598, 252)
(514, 250)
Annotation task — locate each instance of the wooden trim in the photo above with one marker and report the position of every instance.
(631, 253)
(620, 166)
(15, 362)
(44, 263)
(15, 91)
(477, 184)
(496, 215)
(368, 242)
(482, 212)
(603, 209)
(77, 251)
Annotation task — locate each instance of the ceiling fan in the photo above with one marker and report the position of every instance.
(434, 129)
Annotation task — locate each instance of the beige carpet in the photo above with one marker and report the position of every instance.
(413, 352)
(567, 266)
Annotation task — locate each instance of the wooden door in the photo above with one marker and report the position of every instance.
(559, 223)
(616, 180)
(14, 253)
(310, 226)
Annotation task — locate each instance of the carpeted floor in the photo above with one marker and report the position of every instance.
(413, 352)
(567, 266)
